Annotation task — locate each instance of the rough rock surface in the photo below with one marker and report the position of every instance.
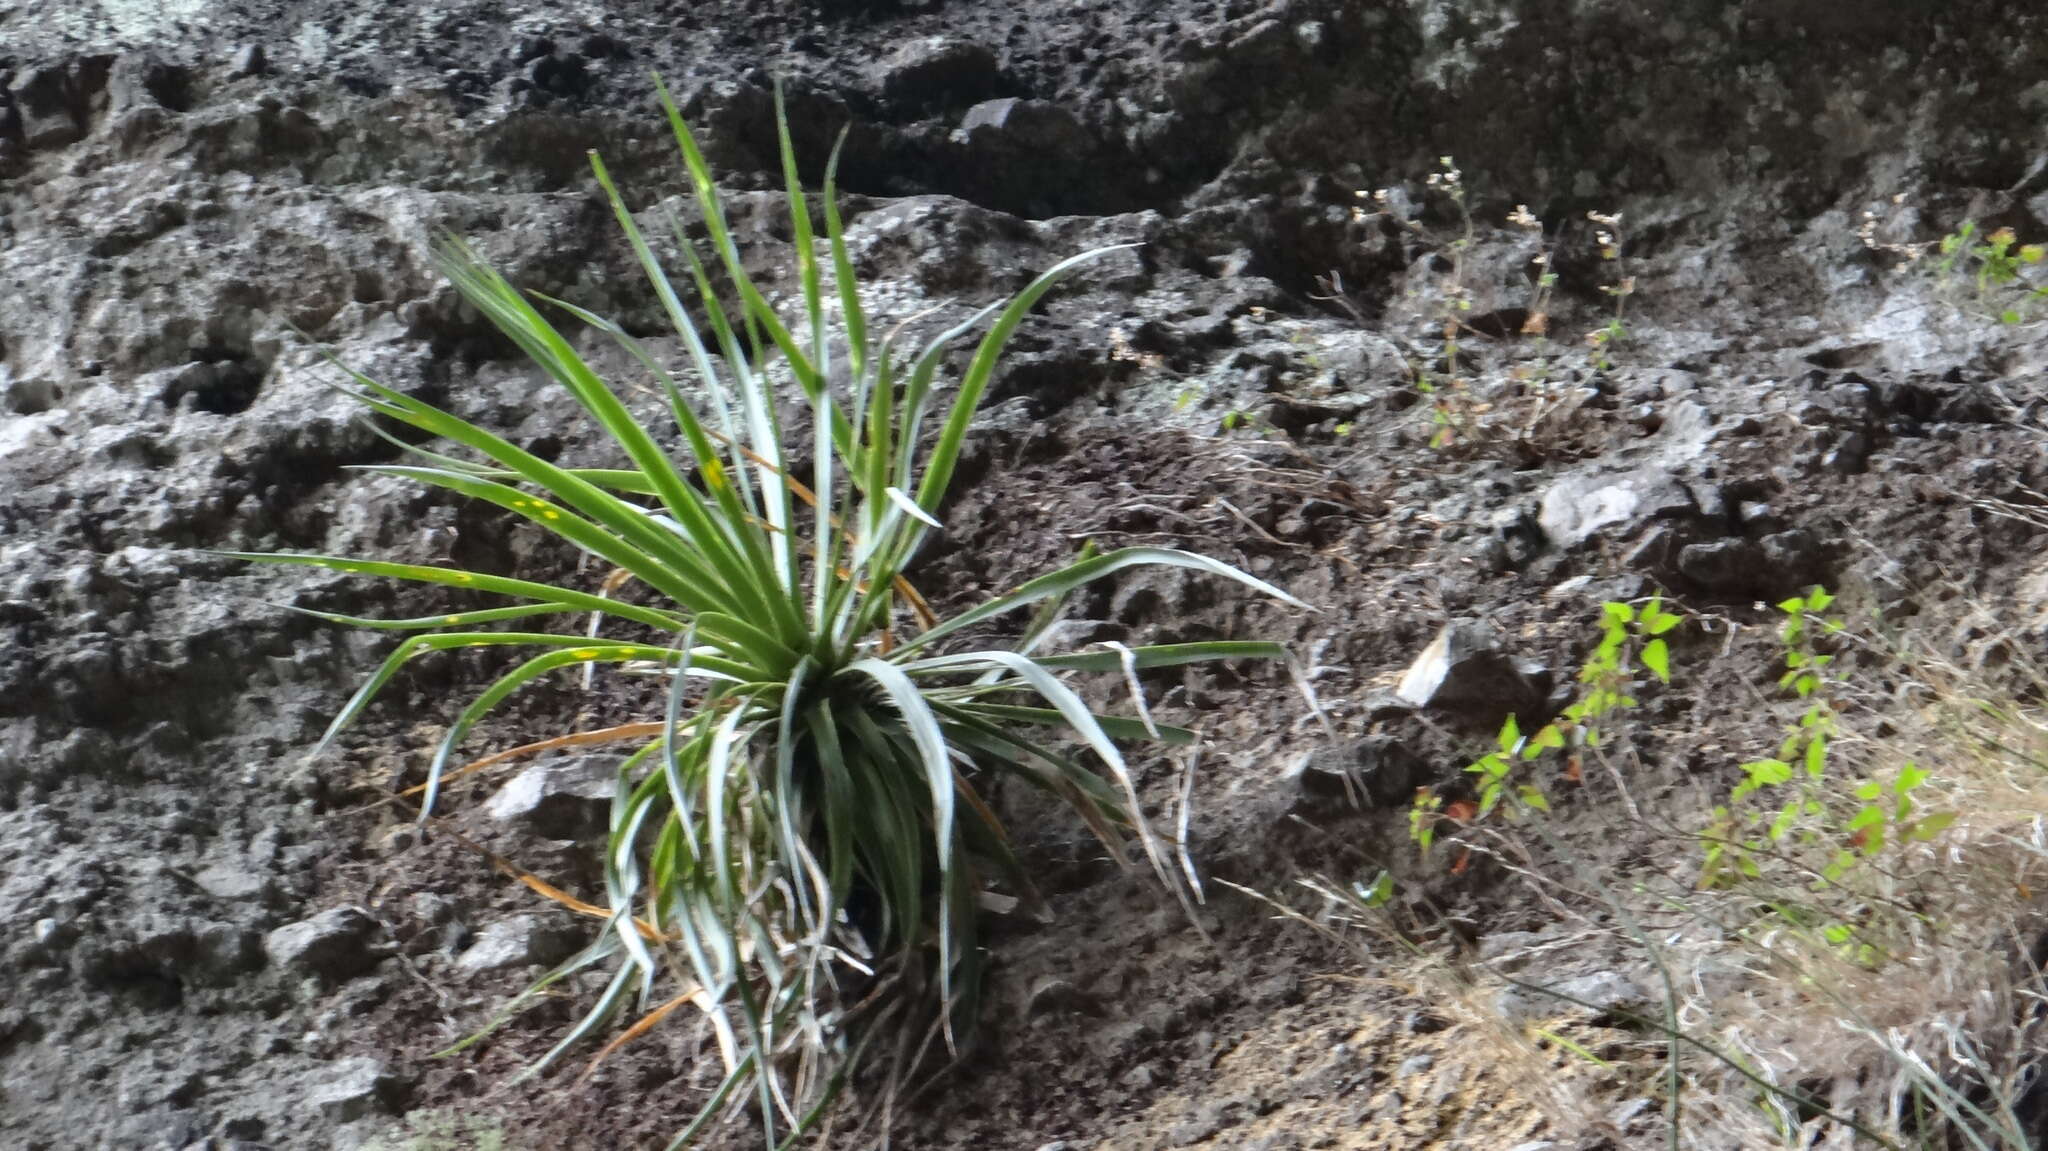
(184, 184)
(558, 799)
(1466, 669)
(335, 944)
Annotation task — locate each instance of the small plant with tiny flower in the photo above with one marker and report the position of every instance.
(1450, 394)
(1536, 317)
(1454, 409)
(1462, 415)
(1992, 275)
(1998, 267)
(1603, 340)
(799, 846)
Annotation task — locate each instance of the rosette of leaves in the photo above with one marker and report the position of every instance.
(798, 845)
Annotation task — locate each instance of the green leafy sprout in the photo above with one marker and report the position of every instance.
(1996, 265)
(1838, 877)
(1603, 340)
(799, 846)
(1629, 635)
(1811, 816)
(2003, 272)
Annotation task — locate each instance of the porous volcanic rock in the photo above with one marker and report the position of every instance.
(187, 187)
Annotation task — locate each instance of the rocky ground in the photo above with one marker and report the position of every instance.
(209, 942)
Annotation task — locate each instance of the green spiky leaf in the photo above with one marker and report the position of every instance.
(810, 816)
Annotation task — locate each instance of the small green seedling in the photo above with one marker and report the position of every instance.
(1996, 265)
(1786, 810)
(1629, 637)
(1240, 420)
(2008, 279)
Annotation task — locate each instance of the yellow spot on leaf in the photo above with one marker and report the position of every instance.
(552, 514)
(586, 654)
(452, 619)
(464, 577)
(714, 473)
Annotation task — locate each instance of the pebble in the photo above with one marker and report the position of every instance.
(515, 942)
(354, 1088)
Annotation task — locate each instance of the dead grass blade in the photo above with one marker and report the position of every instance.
(619, 734)
(640, 1027)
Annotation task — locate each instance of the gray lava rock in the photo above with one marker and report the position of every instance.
(1795, 557)
(1143, 1077)
(1516, 538)
(439, 924)
(1721, 565)
(1378, 770)
(223, 953)
(1012, 122)
(28, 396)
(559, 798)
(939, 70)
(249, 61)
(1035, 157)
(334, 944)
(1466, 669)
(51, 102)
(1849, 457)
(1606, 991)
(1759, 516)
(1778, 564)
(354, 1088)
(516, 942)
(434, 908)
(142, 569)
(233, 881)
(1598, 993)
(1578, 506)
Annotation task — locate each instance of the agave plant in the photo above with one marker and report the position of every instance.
(799, 840)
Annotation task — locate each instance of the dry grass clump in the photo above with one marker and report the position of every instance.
(1927, 1025)
(1855, 982)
